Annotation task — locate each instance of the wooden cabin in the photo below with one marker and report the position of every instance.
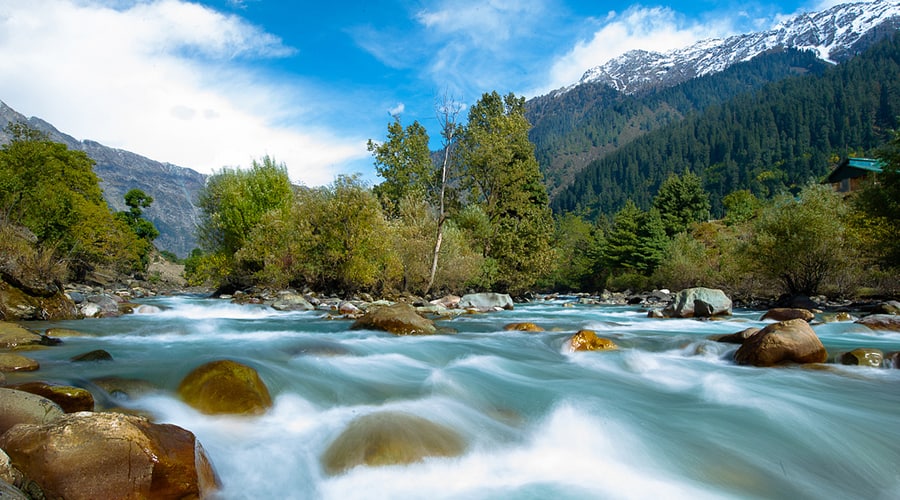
(850, 172)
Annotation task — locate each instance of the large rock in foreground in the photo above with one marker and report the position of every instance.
(399, 319)
(699, 302)
(20, 407)
(486, 302)
(390, 438)
(227, 387)
(792, 341)
(110, 455)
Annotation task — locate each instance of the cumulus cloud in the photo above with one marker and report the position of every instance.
(167, 79)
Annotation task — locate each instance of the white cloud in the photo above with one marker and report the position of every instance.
(658, 29)
(397, 110)
(166, 79)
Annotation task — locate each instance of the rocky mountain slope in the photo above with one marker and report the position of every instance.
(639, 92)
(835, 35)
(174, 189)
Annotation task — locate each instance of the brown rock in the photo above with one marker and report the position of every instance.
(786, 313)
(523, 327)
(70, 399)
(893, 358)
(881, 322)
(587, 340)
(13, 335)
(792, 341)
(739, 337)
(20, 407)
(399, 319)
(863, 357)
(225, 386)
(10, 362)
(110, 455)
(17, 304)
(390, 438)
(95, 355)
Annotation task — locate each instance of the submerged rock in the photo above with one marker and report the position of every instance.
(786, 313)
(792, 341)
(95, 355)
(110, 455)
(225, 386)
(863, 357)
(523, 327)
(20, 407)
(587, 340)
(708, 302)
(390, 438)
(399, 319)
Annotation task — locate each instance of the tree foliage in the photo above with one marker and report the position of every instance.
(803, 241)
(499, 173)
(404, 162)
(54, 193)
(681, 201)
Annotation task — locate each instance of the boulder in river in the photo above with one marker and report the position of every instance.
(786, 313)
(390, 438)
(712, 302)
(225, 387)
(587, 340)
(89, 455)
(70, 399)
(863, 356)
(10, 362)
(881, 322)
(523, 327)
(739, 337)
(792, 341)
(399, 319)
(13, 335)
(486, 302)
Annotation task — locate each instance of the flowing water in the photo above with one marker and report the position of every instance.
(668, 415)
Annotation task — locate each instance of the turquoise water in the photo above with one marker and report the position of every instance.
(666, 416)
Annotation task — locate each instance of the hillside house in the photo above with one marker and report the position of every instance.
(850, 173)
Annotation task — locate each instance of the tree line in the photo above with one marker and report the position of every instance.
(780, 137)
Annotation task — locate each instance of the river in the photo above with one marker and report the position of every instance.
(668, 415)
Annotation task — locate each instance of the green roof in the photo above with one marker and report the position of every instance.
(849, 168)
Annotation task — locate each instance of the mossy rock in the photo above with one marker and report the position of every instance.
(399, 319)
(13, 336)
(70, 399)
(523, 327)
(863, 357)
(225, 387)
(95, 355)
(10, 362)
(390, 438)
(587, 340)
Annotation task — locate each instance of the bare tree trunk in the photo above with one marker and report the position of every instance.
(447, 111)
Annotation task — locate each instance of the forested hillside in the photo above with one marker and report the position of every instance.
(784, 135)
(572, 128)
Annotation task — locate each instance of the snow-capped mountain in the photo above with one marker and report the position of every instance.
(835, 35)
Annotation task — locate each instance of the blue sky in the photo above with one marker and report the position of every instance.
(218, 83)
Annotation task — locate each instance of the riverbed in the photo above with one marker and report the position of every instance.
(667, 415)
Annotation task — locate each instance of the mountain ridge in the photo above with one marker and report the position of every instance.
(834, 34)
